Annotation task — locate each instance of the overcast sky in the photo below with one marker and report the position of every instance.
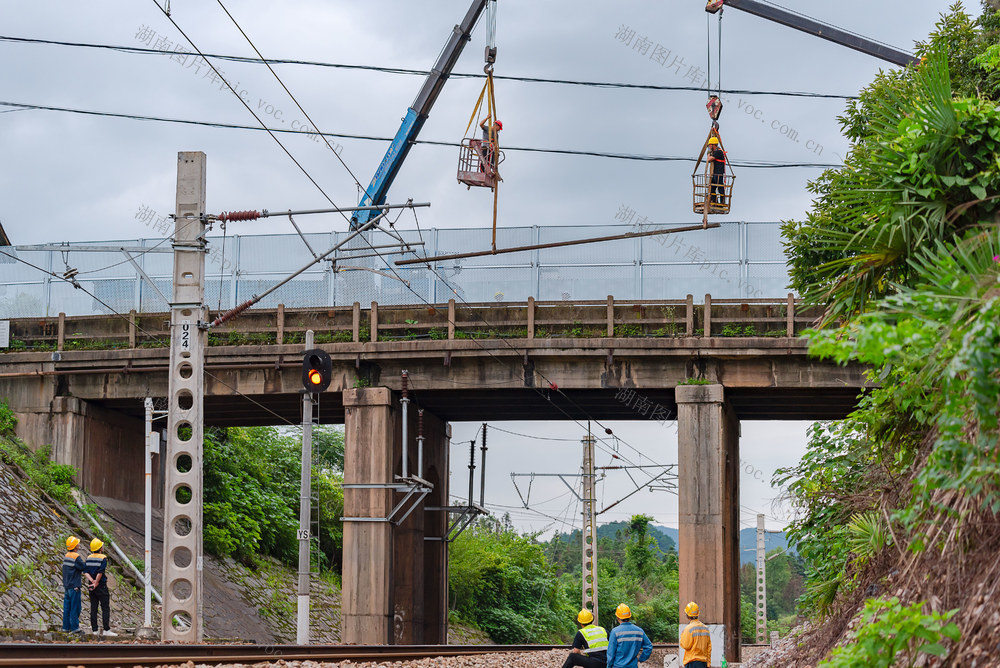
(72, 177)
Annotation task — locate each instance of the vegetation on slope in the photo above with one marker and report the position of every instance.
(900, 501)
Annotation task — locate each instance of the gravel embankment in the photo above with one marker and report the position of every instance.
(550, 659)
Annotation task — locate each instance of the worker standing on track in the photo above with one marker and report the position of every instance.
(627, 644)
(73, 565)
(590, 644)
(695, 640)
(100, 596)
(717, 158)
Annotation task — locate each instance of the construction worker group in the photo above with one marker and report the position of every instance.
(94, 570)
(627, 645)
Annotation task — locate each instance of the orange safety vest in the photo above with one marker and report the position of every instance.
(697, 643)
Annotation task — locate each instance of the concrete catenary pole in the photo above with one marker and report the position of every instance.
(305, 511)
(761, 583)
(589, 528)
(182, 512)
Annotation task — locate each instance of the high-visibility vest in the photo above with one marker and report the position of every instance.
(596, 637)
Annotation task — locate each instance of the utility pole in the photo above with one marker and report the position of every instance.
(589, 527)
(182, 508)
(761, 584)
(309, 399)
(152, 448)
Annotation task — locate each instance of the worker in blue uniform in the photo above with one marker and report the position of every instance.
(627, 643)
(72, 569)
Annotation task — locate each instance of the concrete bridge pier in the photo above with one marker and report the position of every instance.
(104, 446)
(709, 510)
(395, 579)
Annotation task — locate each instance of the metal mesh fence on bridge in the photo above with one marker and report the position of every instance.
(737, 260)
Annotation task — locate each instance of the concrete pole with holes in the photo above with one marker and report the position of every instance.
(761, 583)
(589, 534)
(182, 506)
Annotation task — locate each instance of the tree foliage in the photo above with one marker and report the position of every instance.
(252, 477)
(903, 246)
(921, 171)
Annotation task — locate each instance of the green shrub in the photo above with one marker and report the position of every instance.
(892, 635)
(8, 420)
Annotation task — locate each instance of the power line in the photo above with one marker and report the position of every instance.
(244, 103)
(412, 72)
(759, 164)
(308, 117)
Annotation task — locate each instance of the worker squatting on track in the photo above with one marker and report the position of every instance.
(590, 644)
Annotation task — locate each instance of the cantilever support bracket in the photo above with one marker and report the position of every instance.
(413, 489)
(465, 516)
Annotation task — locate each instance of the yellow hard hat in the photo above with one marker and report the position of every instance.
(72, 542)
(96, 544)
(691, 609)
(713, 140)
(623, 612)
(585, 617)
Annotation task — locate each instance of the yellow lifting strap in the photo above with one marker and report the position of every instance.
(491, 113)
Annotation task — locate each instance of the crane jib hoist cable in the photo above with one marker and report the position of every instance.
(712, 178)
(479, 159)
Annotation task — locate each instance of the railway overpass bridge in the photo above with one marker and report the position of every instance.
(79, 383)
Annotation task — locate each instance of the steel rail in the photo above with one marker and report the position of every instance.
(121, 654)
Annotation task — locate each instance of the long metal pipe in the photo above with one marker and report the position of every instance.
(420, 442)
(557, 244)
(405, 401)
(482, 472)
(147, 517)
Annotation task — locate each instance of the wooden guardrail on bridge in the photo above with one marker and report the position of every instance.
(782, 317)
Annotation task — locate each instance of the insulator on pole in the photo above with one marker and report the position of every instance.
(232, 313)
(241, 215)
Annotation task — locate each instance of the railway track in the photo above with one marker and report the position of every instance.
(25, 655)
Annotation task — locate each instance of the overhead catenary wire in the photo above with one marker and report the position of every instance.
(759, 164)
(245, 104)
(413, 72)
(294, 99)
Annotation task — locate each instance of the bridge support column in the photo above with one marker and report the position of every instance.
(708, 491)
(395, 583)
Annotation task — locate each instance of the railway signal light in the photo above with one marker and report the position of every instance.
(317, 370)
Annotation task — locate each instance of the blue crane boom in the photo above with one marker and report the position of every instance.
(376, 191)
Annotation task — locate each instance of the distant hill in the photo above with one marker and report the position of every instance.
(748, 541)
(667, 539)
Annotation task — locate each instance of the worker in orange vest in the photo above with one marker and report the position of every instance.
(695, 640)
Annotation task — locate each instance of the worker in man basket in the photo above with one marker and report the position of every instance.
(590, 644)
(717, 158)
(695, 640)
(627, 643)
(488, 146)
(100, 596)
